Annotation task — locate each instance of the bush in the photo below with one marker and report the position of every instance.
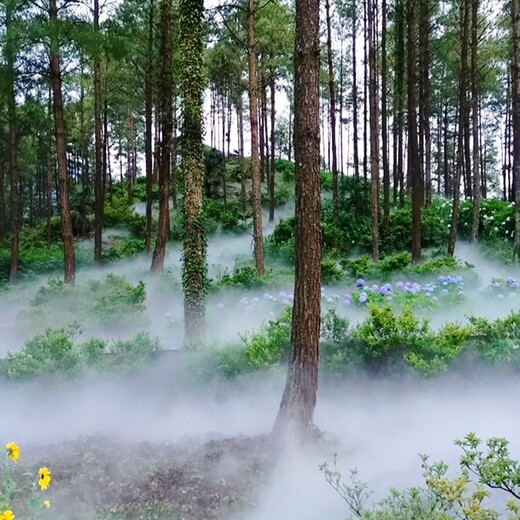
(58, 351)
(108, 301)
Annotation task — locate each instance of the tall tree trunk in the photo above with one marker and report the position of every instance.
(365, 93)
(98, 179)
(166, 121)
(515, 91)
(194, 258)
(332, 115)
(384, 123)
(374, 127)
(61, 150)
(463, 117)
(424, 92)
(475, 120)
(414, 167)
(243, 191)
(10, 54)
(148, 110)
(299, 397)
(130, 150)
(399, 88)
(255, 164)
(355, 137)
(272, 199)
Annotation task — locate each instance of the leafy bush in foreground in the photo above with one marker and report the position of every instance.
(441, 498)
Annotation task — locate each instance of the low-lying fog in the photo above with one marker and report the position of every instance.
(378, 426)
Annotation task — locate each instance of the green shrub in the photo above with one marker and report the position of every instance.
(124, 249)
(285, 169)
(331, 273)
(109, 301)
(386, 339)
(58, 351)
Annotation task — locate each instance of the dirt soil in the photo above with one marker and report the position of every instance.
(192, 480)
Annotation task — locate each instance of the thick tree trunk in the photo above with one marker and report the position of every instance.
(365, 93)
(194, 258)
(299, 397)
(332, 116)
(166, 121)
(98, 176)
(61, 150)
(255, 164)
(414, 167)
(374, 127)
(243, 191)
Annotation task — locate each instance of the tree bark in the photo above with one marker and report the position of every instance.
(98, 176)
(384, 123)
(255, 164)
(272, 199)
(475, 121)
(414, 167)
(61, 150)
(299, 397)
(515, 94)
(194, 258)
(355, 137)
(166, 122)
(374, 127)
(10, 54)
(332, 115)
(148, 138)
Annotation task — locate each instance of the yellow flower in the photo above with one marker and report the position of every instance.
(44, 478)
(7, 515)
(13, 452)
(47, 504)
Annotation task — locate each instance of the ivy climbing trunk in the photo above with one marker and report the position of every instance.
(194, 258)
(61, 150)
(299, 397)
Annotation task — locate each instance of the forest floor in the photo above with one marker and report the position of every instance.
(95, 477)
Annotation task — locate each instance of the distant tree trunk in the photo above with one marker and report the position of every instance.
(515, 69)
(332, 115)
(98, 180)
(365, 92)
(194, 258)
(10, 54)
(384, 124)
(130, 150)
(475, 120)
(399, 88)
(463, 116)
(243, 191)
(424, 94)
(272, 199)
(414, 168)
(299, 397)
(355, 137)
(255, 164)
(166, 121)
(148, 110)
(374, 127)
(61, 150)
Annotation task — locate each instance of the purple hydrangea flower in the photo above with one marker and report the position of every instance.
(363, 297)
(360, 282)
(445, 292)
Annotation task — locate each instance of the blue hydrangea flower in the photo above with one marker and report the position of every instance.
(445, 292)
(363, 297)
(360, 282)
